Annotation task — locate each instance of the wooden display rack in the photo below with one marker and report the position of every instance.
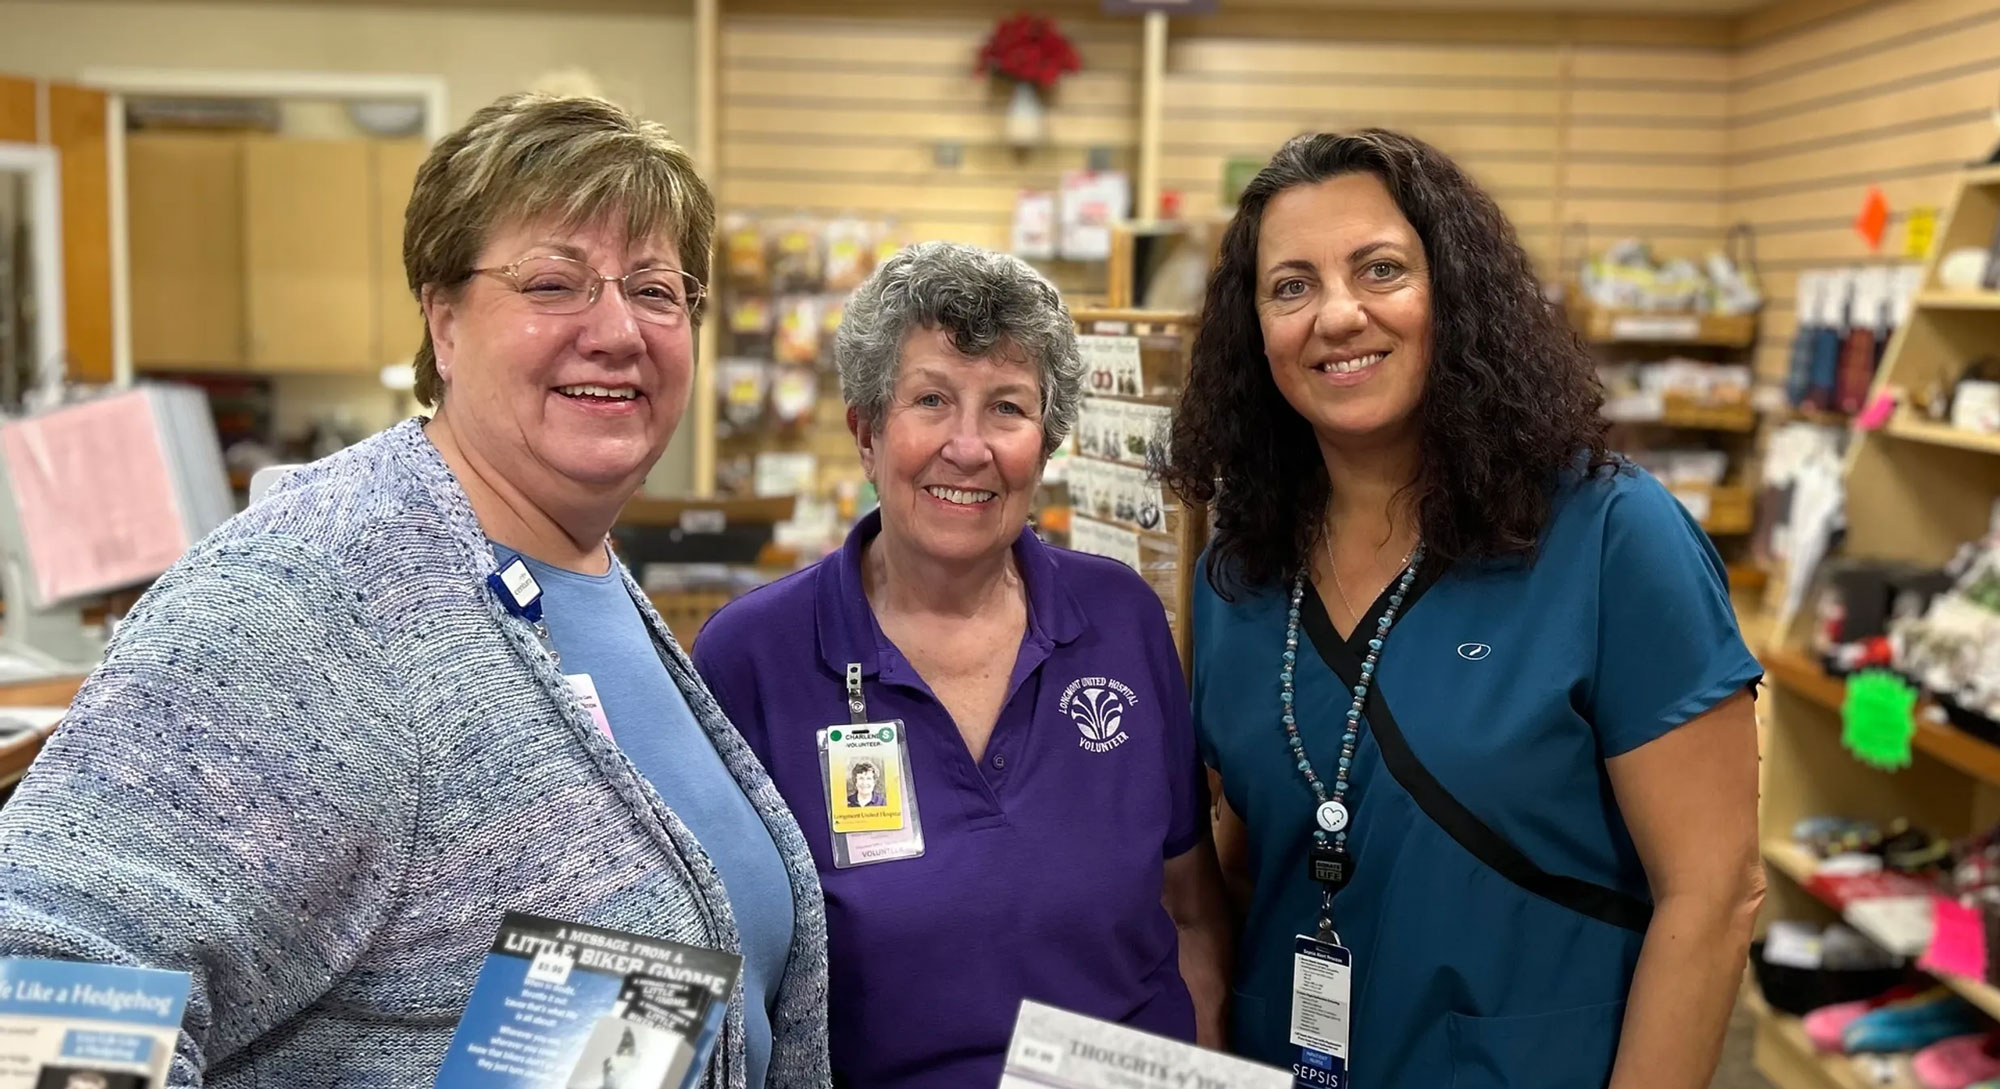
(1602, 325)
(1167, 556)
(1726, 510)
(1916, 491)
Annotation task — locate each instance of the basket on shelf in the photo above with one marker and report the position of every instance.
(1799, 991)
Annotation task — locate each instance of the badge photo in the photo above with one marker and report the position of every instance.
(864, 778)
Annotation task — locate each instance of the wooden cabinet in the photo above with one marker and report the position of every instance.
(185, 210)
(309, 255)
(17, 110)
(72, 121)
(400, 319)
(76, 119)
(264, 255)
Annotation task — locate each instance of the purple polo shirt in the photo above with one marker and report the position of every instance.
(1041, 870)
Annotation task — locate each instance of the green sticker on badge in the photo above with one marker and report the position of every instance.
(834, 736)
(887, 734)
(1878, 719)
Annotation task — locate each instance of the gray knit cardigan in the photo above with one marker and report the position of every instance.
(317, 764)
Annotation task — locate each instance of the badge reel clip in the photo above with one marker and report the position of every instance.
(871, 797)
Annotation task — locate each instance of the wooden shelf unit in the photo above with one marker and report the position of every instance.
(1601, 325)
(1915, 492)
(1910, 428)
(1798, 864)
(1787, 1058)
(1960, 300)
(1945, 743)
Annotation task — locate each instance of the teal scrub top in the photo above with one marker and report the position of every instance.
(1512, 683)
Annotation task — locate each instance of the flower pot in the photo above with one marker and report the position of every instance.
(1026, 119)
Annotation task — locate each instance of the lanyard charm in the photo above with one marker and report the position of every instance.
(518, 591)
(857, 708)
(1331, 866)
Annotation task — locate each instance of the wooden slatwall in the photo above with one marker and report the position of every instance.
(1642, 154)
(1585, 133)
(1894, 94)
(829, 115)
(1581, 144)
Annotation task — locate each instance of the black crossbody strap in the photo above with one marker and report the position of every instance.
(1483, 843)
(1441, 806)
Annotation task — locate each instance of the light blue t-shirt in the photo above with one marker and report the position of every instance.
(597, 629)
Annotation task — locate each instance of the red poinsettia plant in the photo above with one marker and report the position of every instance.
(1028, 48)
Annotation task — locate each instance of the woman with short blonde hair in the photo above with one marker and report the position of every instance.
(329, 749)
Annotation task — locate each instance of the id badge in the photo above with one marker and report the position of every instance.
(1322, 984)
(871, 798)
(585, 690)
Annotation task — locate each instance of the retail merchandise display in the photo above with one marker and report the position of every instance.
(1886, 665)
(1642, 392)
(1951, 648)
(1902, 893)
(1074, 222)
(1134, 365)
(1845, 320)
(1800, 508)
(1673, 339)
(784, 287)
(1627, 276)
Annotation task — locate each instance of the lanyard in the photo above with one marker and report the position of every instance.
(1329, 862)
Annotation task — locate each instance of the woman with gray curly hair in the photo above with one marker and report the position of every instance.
(1043, 829)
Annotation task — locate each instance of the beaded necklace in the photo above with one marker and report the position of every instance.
(1329, 863)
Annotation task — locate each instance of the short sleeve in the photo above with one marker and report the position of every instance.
(1668, 648)
(1187, 776)
(1204, 616)
(725, 675)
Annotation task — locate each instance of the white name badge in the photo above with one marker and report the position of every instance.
(1322, 986)
(585, 690)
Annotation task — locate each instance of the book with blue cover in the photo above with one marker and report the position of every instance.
(565, 1006)
(73, 1025)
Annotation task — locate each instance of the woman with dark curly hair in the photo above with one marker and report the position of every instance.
(1541, 869)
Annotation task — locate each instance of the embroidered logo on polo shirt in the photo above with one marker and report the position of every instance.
(1098, 706)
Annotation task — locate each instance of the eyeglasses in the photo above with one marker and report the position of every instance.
(565, 285)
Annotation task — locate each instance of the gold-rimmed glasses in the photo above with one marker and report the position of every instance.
(565, 285)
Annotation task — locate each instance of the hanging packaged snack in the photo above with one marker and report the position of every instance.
(796, 263)
(832, 308)
(889, 241)
(850, 253)
(740, 385)
(748, 325)
(744, 259)
(734, 474)
(796, 339)
(794, 396)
